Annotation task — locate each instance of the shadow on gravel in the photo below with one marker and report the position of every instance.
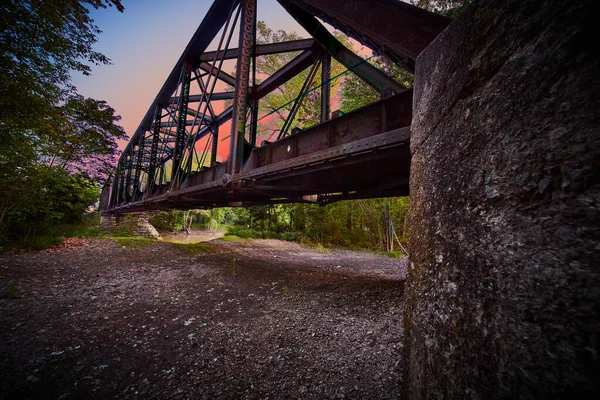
(248, 319)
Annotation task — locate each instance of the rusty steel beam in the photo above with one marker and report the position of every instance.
(188, 122)
(240, 101)
(181, 137)
(263, 49)
(215, 18)
(383, 116)
(287, 72)
(368, 73)
(392, 28)
(224, 76)
(195, 98)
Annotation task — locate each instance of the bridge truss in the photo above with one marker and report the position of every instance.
(172, 162)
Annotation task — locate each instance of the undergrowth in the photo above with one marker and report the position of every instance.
(51, 236)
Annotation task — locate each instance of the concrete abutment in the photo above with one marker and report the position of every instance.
(503, 291)
(131, 224)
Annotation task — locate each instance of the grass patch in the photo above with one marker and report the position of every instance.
(233, 238)
(248, 233)
(132, 242)
(13, 290)
(42, 242)
(395, 254)
(50, 236)
(194, 248)
(316, 246)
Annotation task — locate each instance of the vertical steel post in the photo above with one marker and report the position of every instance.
(154, 148)
(138, 164)
(215, 143)
(325, 86)
(121, 192)
(240, 97)
(128, 178)
(180, 137)
(114, 188)
(254, 122)
(254, 116)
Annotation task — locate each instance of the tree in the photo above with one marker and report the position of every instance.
(83, 138)
(41, 42)
(449, 8)
(54, 143)
(280, 101)
(356, 94)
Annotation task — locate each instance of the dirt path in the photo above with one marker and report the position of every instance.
(195, 236)
(96, 320)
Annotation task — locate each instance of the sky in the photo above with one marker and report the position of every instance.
(144, 43)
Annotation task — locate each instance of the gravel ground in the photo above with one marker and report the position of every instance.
(244, 319)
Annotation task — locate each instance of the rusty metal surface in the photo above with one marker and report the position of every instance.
(263, 49)
(392, 28)
(351, 162)
(362, 154)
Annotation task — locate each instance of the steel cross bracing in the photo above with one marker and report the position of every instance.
(172, 158)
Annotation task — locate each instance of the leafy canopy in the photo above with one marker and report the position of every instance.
(54, 143)
(41, 42)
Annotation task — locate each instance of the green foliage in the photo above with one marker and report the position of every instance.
(41, 43)
(176, 220)
(53, 235)
(449, 8)
(279, 103)
(356, 94)
(83, 137)
(40, 199)
(166, 220)
(55, 145)
(377, 224)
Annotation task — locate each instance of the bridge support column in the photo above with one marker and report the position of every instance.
(240, 100)
(137, 225)
(503, 290)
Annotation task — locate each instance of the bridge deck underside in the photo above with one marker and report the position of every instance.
(361, 154)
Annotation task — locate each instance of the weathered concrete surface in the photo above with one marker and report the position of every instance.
(132, 224)
(503, 291)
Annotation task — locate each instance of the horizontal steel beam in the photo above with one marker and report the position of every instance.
(287, 72)
(195, 98)
(362, 154)
(262, 49)
(385, 115)
(188, 122)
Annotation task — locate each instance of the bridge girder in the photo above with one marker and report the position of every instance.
(173, 153)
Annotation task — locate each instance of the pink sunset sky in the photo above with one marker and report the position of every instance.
(145, 42)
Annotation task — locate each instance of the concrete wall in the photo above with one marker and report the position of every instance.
(137, 225)
(503, 294)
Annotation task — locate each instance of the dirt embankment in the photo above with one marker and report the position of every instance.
(256, 319)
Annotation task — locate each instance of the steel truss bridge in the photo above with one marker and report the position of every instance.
(172, 160)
